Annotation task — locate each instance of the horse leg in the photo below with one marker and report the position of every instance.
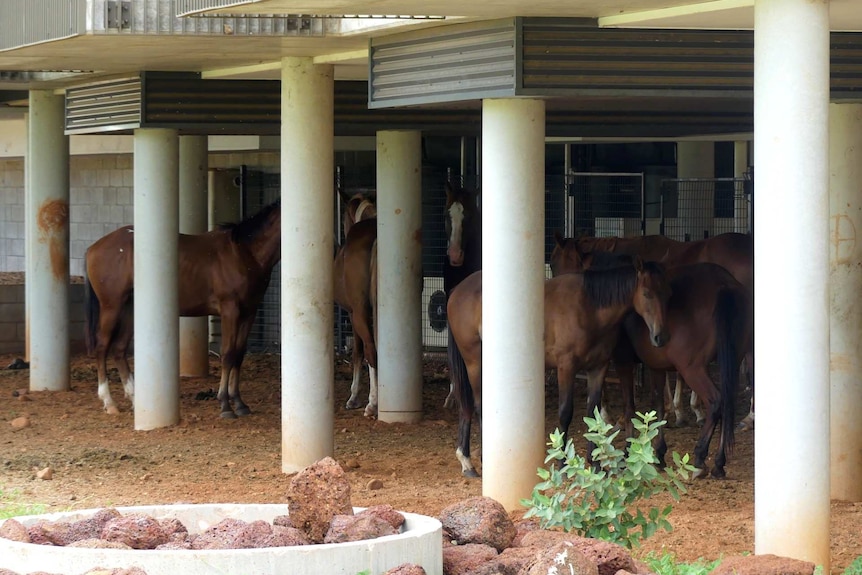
(230, 326)
(700, 382)
(356, 361)
(371, 408)
(694, 404)
(595, 381)
(239, 406)
(566, 390)
(107, 323)
(747, 424)
(657, 398)
(124, 332)
(679, 414)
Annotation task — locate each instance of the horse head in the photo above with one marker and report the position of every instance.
(360, 206)
(564, 257)
(462, 223)
(652, 293)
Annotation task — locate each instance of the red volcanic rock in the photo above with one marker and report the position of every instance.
(479, 520)
(406, 569)
(387, 513)
(562, 557)
(136, 530)
(316, 495)
(464, 559)
(763, 565)
(13, 530)
(608, 557)
(344, 528)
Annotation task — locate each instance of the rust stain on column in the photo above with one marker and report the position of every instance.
(52, 220)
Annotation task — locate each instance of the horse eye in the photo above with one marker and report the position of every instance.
(648, 294)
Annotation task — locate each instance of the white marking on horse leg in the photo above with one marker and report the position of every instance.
(679, 413)
(605, 415)
(353, 401)
(466, 465)
(129, 388)
(695, 407)
(371, 408)
(105, 395)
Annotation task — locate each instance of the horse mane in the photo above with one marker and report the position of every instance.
(248, 229)
(613, 286)
(610, 287)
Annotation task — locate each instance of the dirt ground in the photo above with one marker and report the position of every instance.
(99, 460)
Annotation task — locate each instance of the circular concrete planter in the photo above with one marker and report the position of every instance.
(420, 542)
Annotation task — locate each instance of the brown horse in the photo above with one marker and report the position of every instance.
(732, 251)
(354, 289)
(709, 315)
(583, 314)
(463, 222)
(224, 272)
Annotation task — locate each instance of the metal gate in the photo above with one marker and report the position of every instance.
(696, 208)
(605, 204)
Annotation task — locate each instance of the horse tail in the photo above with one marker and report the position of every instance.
(728, 318)
(459, 377)
(91, 314)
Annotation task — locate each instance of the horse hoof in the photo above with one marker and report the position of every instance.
(352, 404)
(112, 410)
(470, 473)
(718, 473)
(243, 411)
(744, 426)
(227, 415)
(371, 411)
(698, 473)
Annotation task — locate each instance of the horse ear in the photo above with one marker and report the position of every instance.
(558, 237)
(344, 197)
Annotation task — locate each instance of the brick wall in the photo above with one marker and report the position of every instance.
(12, 318)
(100, 200)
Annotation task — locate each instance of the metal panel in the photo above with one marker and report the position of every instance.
(570, 57)
(697, 208)
(106, 106)
(25, 22)
(446, 64)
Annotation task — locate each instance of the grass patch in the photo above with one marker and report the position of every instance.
(11, 505)
(666, 564)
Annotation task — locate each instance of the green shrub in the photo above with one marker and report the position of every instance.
(666, 564)
(597, 500)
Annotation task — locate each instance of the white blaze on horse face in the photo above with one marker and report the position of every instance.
(456, 251)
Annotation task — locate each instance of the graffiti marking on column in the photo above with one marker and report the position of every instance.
(843, 238)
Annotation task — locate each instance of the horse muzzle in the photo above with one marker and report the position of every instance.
(659, 339)
(456, 258)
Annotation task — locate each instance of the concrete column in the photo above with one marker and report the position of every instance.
(741, 212)
(308, 209)
(513, 364)
(194, 349)
(47, 228)
(399, 275)
(157, 358)
(791, 254)
(696, 204)
(845, 280)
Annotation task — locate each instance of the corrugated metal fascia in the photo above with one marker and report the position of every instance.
(562, 57)
(108, 106)
(27, 22)
(193, 7)
(184, 100)
(448, 64)
(845, 66)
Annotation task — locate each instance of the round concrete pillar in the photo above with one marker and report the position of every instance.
(47, 265)
(513, 364)
(193, 204)
(156, 166)
(307, 206)
(399, 275)
(845, 280)
(791, 109)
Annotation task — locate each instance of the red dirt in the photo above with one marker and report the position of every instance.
(100, 461)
